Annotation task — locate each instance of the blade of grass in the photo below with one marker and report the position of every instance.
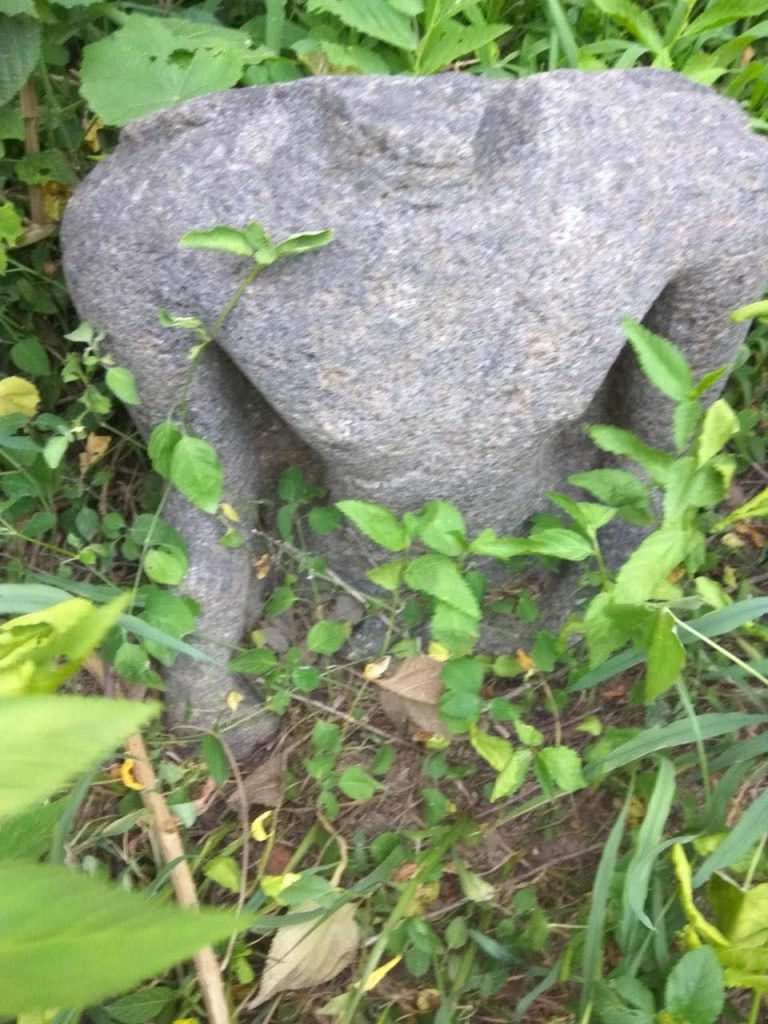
(716, 623)
(749, 830)
(21, 598)
(747, 750)
(637, 881)
(677, 734)
(698, 739)
(562, 27)
(592, 956)
(275, 19)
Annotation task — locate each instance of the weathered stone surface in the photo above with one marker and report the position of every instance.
(465, 322)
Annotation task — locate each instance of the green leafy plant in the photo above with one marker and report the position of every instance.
(47, 960)
(188, 462)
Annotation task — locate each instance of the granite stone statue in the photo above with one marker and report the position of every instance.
(464, 324)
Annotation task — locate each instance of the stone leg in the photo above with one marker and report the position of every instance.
(254, 446)
(693, 313)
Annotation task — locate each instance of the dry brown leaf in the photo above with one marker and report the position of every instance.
(755, 536)
(418, 678)
(265, 784)
(207, 792)
(405, 871)
(423, 719)
(411, 694)
(308, 954)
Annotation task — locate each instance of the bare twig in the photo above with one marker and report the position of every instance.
(245, 831)
(167, 834)
(28, 97)
(328, 710)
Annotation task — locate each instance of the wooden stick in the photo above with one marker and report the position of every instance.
(166, 830)
(28, 97)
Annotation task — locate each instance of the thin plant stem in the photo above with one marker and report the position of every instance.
(755, 861)
(754, 1010)
(685, 700)
(721, 650)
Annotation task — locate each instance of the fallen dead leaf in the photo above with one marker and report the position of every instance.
(376, 669)
(411, 694)
(524, 660)
(206, 794)
(234, 699)
(308, 954)
(405, 872)
(265, 784)
(755, 536)
(381, 972)
(262, 566)
(55, 198)
(427, 999)
(230, 513)
(91, 137)
(261, 826)
(18, 395)
(95, 446)
(126, 774)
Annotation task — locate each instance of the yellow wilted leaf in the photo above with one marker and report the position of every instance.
(730, 578)
(93, 142)
(374, 669)
(637, 811)
(18, 395)
(55, 198)
(524, 660)
(427, 999)
(376, 976)
(424, 896)
(262, 565)
(696, 919)
(234, 699)
(38, 651)
(438, 652)
(261, 826)
(126, 774)
(229, 512)
(273, 885)
(95, 446)
(731, 540)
